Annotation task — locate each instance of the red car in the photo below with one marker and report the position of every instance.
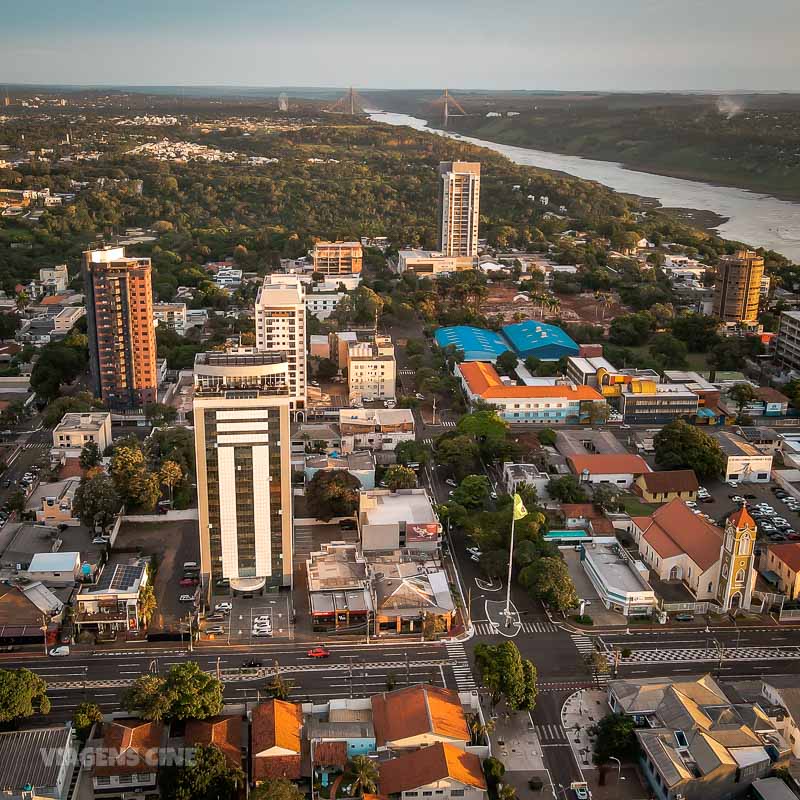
(318, 652)
(188, 582)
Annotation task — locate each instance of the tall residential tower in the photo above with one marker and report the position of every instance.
(737, 289)
(244, 471)
(122, 336)
(459, 207)
(281, 328)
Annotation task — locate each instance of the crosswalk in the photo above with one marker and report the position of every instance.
(37, 446)
(489, 629)
(460, 666)
(406, 371)
(551, 733)
(428, 442)
(448, 424)
(584, 643)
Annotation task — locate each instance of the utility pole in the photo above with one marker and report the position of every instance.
(408, 671)
(44, 632)
(433, 421)
(191, 645)
(219, 678)
(507, 612)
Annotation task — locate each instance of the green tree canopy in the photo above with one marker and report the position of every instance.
(412, 451)
(458, 454)
(472, 492)
(697, 331)
(208, 777)
(97, 502)
(185, 692)
(548, 579)
(90, 455)
(22, 694)
(362, 774)
(546, 436)
(566, 489)
(489, 430)
(84, 716)
(332, 493)
(276, 789)
(507, 675)
(400, 477)
(683, 446)
(507, 362)
(615, 736)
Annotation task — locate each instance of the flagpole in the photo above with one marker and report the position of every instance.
(510, 562)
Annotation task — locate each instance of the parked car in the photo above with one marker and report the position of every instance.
(263, 619)
(733, 484)
(318, 652)
(188, 582)
(684, 616)
(215, 618)
(224, 608)
(262, 632)
(451, 482)
(62, 650)
(100, 540)
(222, 582)
(186, 598)
(736, 499)
(419, 396)
(474, 551)
(215, 629)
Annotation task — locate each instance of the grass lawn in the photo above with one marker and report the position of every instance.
(698, 362)
(636, 507)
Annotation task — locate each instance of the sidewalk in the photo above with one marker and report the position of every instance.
(580, 712)
(515, 743)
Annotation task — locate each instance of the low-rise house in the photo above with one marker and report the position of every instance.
(110, 606)
(768, 402)
(586, 517)
(781, 701)
(126, 758)
(617, 469)
(361, 465)
(441, 770)
(780, 566)
(375, 428)
(694, 742)
(405, 518)
(322, 304)
(225, 732)
(37, 764)
(666, 485)
(53, 503)
(21, 612)
(743, 461)
(276, 740)
(62, 567)
(419, 716)
(77, 429)
(517, 475)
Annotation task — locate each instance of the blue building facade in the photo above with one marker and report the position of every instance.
(478, 344)
(540, 340)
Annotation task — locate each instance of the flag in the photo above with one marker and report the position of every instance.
(519, 508)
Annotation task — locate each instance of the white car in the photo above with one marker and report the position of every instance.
(733, 484)
(451, 482)
(63, 650)
(474, 551)
(224, 607)
(475, 557)
(186, 598)
(262, 632)
(264, 619)
(419, 396)
(100, 540)
(691, 504)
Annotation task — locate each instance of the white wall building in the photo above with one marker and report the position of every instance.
(281, 328)
(321, 305)
(371, 369)
(54, 279)
(171, 315)
(743, 461)
(77, 429)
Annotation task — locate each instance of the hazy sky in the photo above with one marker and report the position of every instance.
(506, 44)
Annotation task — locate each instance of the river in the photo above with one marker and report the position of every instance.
(757, 219)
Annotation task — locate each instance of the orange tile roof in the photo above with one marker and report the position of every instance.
(430, 764)
(417, 710)
(742, 519)
(133, 740)
(609, 464)
(585, 510)
(330, 754)
(483, 380)
(53, 300)
(788, 553)
(277, 723)
(225, 733)
(268, 767)
(673, 529)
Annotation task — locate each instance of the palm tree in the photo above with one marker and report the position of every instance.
(364, 775)
(480, 730)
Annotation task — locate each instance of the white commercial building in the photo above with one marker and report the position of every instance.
(321, 305)
(171, 315)
(430, 263)
(743, 461)
(459, 207)
(77, 429)
(371, 369)
(619, 581)
(281, 328)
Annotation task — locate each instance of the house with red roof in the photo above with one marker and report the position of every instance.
(616, 469)
(780, 564)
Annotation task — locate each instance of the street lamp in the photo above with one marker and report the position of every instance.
(619, 767)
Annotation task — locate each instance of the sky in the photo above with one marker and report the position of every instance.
(480, 44)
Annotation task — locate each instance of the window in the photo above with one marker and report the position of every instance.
(427, 794)
(456, 793)
(739, 576)
(744, 544)
(725, 570)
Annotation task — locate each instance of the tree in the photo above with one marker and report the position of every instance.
(495, 563)
(400, 477)
(548, 579)
(742, 394)
(615, 736)
(208, 777)
(22, 694)
(135, 484)
(332, 493)
(186, 692)
(479, 730)
(458, 454)
(326, 369)
(86, 715)
(473, 491)
(170, 476)
(362, 773)
(683, 446)
(605, 497)
(566, 489)
(90, 455)
(158, 414)
(8, 325)
(698, 331)
(631, 330)
(412, 451)
(17, 501)
(56, 409)
(598, 664)
(507, 362)
(147, 603)
(97, 502)
(493, 769)
(670, 351)
(276, 789)
(58, 363)
(505, 674)
(488, 429)
(546, 437)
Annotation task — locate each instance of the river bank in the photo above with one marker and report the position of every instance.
(740, 215)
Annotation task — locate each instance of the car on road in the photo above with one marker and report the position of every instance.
(318, 652)
(62, 650)
(188, 582)
(224, 608)
(101, 540)
(475, 557)
(582, 792)
(419, 396)
(215, 629)
(222, 582)
(451, 482)
(733, 484)
(215, 618)
(684, 617)
(493, 495)
(186, 598)
(474, 551)
(736, 498)
(253, 663)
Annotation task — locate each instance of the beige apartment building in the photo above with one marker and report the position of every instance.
(429, 263)
(78, 429)
(337, 258)
(170, 315)
(459, 208)
(371, 369)
(737, 288)
(243, 454)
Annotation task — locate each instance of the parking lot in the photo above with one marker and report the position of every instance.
(251, 620)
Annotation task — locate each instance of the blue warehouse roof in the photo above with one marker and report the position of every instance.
(540, 340)
(478, 344)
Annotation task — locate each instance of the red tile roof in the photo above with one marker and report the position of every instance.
(674, 529)
(483, 380)
(267, 767)
(770, 395)
(225, 733)
(671, 480)
(135, 742)
(430, 764)
(609, 464)
(742, 519)
(418, 710)
(788, 553)
(585, 510)
(330, 754)
(276, 723)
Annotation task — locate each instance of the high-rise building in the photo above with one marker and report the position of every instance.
(122, 336)
(281, 328)
(459, 207)
(244, 471)
(371, 369)
(737, 288)
(787, 342)
(337, 258)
